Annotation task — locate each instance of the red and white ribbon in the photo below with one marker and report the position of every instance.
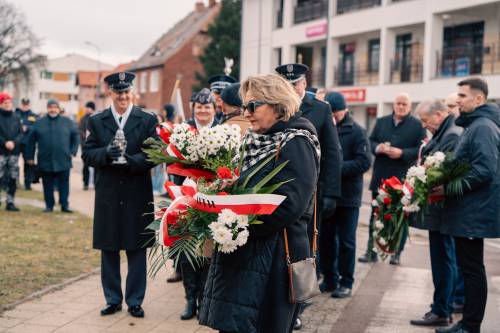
(242, 204)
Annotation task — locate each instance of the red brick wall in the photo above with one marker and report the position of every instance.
(148, 99)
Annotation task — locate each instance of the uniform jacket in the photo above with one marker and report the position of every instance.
(476, 214)
(123, 195)
(356, 161)
(407, 135)
(28, 119)
(445, 140)
(57, 140)
(82, 127)
(320, 115)
(247, 290)
(10, 130)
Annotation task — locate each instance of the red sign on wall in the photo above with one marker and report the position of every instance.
(353, 95)
(316, 30)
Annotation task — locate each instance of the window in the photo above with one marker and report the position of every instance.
(373, 55)
(143, 82)
(277, 56)
(154, 81)
(46, 75)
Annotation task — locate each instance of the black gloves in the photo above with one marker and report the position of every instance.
(113, 151)
(328, 206)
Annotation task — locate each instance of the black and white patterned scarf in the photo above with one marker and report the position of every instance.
(260, 146)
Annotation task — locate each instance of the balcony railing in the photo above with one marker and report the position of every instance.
(464, 61)
(412, 72)
(346, 6)
(311, 10)
(360, 76)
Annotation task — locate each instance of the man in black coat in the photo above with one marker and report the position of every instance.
(436, 118)
(56, 138)
(123, 193)
(82, 127)
(10, 147)
(394, 141)
(337, 244)
(28, 119)
(475, 214)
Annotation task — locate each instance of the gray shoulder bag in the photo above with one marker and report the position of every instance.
(302, 274)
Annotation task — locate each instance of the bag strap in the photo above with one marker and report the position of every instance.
(315, 237)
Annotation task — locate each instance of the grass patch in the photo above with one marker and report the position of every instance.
(35, 195)
(40, 249)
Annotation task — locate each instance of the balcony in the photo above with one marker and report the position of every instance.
(360, 75)
(311, 10)
(346, 6)
(469, 60)
(401, 73)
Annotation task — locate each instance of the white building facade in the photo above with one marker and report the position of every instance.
(373, 49)
(57, 79)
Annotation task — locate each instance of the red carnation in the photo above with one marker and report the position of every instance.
(224, 173)
(236, 172)
(387, 217)
(387, 200)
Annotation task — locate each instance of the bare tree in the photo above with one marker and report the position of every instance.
(18, 45)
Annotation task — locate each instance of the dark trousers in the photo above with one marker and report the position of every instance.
(445, 273)
(470, 257)
(29, 174)
(135, 287)
(337, 246)
(86, 174)
(371, 229)
(49, 181)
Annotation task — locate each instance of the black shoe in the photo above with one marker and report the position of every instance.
(66, 210)
(368, 257)
(136, 311)
(111, 309)
(341, 292)
(175, 277)
(298, 324)
(457, 328)
(327, 287)
(27, 188)
(458, 308)
(431, 319)
(48, 210)
(11, 208)
(190, 310)
(395, 260)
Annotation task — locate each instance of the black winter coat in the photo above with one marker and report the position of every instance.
(477, 213)
(123, 195)
(356, 161)
(407, 135)
(10, 130)
(57, 140)
(444, 140)
(247, 290)
(320, 115)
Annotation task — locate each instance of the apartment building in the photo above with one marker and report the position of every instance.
(371, 50)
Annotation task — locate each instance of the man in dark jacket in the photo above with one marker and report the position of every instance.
(475, 215)
(394, 141)
(123, 193)
(338, 232)
(57, 139)
(82, 127)
(10, 147)
(441, 123)
(28, 119)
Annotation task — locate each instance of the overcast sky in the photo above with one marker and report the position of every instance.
(122, 29)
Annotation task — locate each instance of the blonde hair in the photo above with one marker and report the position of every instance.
(274, 90)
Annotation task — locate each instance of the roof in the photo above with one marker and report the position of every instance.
(86, 78)
(123, 67)
(173, 40)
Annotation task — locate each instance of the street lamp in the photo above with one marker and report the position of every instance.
(98, 84)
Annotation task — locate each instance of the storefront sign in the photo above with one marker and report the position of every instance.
(316, 30)
(354, 95)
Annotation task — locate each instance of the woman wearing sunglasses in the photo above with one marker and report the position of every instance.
(247, 290)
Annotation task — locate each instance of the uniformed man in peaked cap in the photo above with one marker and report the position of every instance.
(123, 193)
(319, 114)
(217, 84)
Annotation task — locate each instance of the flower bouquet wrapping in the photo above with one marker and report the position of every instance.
(397, 200)
(213, 205)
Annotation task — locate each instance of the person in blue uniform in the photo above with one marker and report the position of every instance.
(217, 84)
(28, 119)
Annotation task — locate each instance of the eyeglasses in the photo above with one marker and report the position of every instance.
(252, 106)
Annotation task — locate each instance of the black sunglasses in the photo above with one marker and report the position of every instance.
(252, 106)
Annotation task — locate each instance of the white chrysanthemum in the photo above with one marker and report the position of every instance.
(412, 208)
(228, 247)
(222, 235)
(227, 217)
(242, 238)
(242, 221)
(215, 225)
(374, 203)
(382, 195)
(405, 201)
(379, 225)
(374, 234)
(382, 241)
